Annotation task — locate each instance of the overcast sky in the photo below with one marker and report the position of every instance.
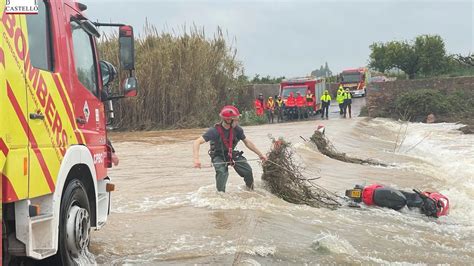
(292, 38)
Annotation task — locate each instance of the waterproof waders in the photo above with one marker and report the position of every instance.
(241, 166)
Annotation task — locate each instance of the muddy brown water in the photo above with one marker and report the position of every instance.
(166, 212)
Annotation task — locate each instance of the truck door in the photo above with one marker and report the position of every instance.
(13, 109)
(86, 88)
(44, 102)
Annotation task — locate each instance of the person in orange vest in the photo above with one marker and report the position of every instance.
(300, 104)
(279, 108)
(259, 105)
(290, 106)
(309, 103)
(270, 109)
(326, 101)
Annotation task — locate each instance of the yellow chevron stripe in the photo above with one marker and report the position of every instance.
(69, 103)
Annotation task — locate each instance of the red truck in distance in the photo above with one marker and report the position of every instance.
(302, 85)
(356, 80)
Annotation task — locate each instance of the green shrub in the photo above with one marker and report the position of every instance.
(250, 118)
(415, 105)
(420, 103)
(462, 103)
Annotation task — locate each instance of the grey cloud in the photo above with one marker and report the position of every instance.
(291, 38)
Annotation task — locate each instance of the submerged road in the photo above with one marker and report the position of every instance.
(164, 211)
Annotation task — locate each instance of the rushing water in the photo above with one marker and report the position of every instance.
(165, 211)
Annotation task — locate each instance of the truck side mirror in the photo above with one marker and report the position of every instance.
(130, 85)
(127, 49)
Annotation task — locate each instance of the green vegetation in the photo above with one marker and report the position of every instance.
(465, 60)
(417, 104)
(458, 65)
(261, 80)
(421, 103)
(250, 118)
(424, 57)
(183, 80)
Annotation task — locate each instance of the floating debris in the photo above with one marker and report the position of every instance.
(283, 178)
(326, 148)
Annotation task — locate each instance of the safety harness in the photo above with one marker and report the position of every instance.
(228, 143)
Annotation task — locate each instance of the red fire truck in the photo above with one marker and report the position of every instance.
(54, 151)
(355, 80)
(302, 85)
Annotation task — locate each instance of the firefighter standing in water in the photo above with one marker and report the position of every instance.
(309, 103)
(259, 105)
(300, 104)
(326, 101)
(279, 109)
(347, 103)
(270, 109)
(340, 99)
(223, 138)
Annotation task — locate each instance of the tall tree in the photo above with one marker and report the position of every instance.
(426, 55)
(403, 56)
(431, 52)
(378, 57)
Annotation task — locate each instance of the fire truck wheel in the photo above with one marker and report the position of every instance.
(74, 224)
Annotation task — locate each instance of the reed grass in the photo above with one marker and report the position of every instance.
(184, 78)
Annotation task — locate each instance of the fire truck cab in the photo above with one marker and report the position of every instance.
(355, 80)
(54, 151)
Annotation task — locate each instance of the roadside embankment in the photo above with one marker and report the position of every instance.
(444, 99)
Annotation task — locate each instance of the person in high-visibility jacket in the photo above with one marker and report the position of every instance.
(309, 102)
(270, 109)
(347, 103)
(326, 101)
(259, 105)
(300, 104)
(340, 99)
(279, 108)
(290, 106)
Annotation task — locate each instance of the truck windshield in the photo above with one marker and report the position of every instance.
(351, 77)
(287, 91)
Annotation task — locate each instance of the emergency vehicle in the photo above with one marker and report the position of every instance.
(53, 141)
(356, 80)
(302, 85)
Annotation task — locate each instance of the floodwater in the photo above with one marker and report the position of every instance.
(166, 212)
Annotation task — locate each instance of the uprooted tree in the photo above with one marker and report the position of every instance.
(283, 177)
(325, 147)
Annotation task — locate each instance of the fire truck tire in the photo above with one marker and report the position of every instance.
(74, 224)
